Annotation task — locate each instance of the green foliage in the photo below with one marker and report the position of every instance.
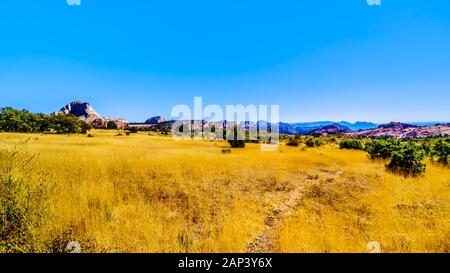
(426, 147)
(66, 124)
(442, 151)
(293, 142)
(351, 144)
(405, 156)
(382, 149)
(313, 142)
(407, 160)
(24, 202)
(237, 139)
(237, 143)
(22, 121)
(133, 130)
(111, 125)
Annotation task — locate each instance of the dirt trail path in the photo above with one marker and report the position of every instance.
(263, 243)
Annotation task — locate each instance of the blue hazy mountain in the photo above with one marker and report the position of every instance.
(428, 123)
(303, 128)
(359, 125)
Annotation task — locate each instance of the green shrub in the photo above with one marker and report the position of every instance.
(133, 130)
(426, 147)
(313, 142)
(407, 160)
(235, 139)
(293, 142)
(382, 149)
(24, 203)
(351, 144)
(111, 125)
(226, 151)
(237, 143)
(66, 124)
(442, 151)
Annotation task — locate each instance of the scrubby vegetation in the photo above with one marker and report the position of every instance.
(351, 144)
(407, 156)
(111, 125)
(382, 149)
(237, 143)
(22, 121)
(407, 160)
(237, 139)
(112, 195)
(133, 130)
(295, 142)
(313, 142)
(24, 202)
(202, 196)
(442, 151)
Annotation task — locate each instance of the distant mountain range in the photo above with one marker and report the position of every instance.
(86, 112)
(305, 128)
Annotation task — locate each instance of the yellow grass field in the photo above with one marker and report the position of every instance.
(142, 193)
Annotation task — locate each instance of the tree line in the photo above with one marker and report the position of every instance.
(23, 121)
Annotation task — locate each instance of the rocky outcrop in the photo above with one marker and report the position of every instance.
(332, 129)
(83, 110)
(86, 112)
(155, 120)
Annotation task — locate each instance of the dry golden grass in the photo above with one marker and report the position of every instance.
(143, 193)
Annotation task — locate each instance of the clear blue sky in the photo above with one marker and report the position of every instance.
(318, 59)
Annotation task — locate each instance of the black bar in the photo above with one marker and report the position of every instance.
(225, 262)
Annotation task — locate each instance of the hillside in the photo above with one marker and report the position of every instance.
(401, 130)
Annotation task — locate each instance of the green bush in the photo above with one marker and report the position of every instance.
(237, 143)
(351, 144)
(313, 142)
(407, 160)
(426, 147)
(111, 125)
(24, 202)
(442, 151)
(133, 130)
(293, 142)
(66, 124)
(382, 149)
(235, 139)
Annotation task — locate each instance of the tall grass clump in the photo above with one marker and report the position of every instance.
(24, 202)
